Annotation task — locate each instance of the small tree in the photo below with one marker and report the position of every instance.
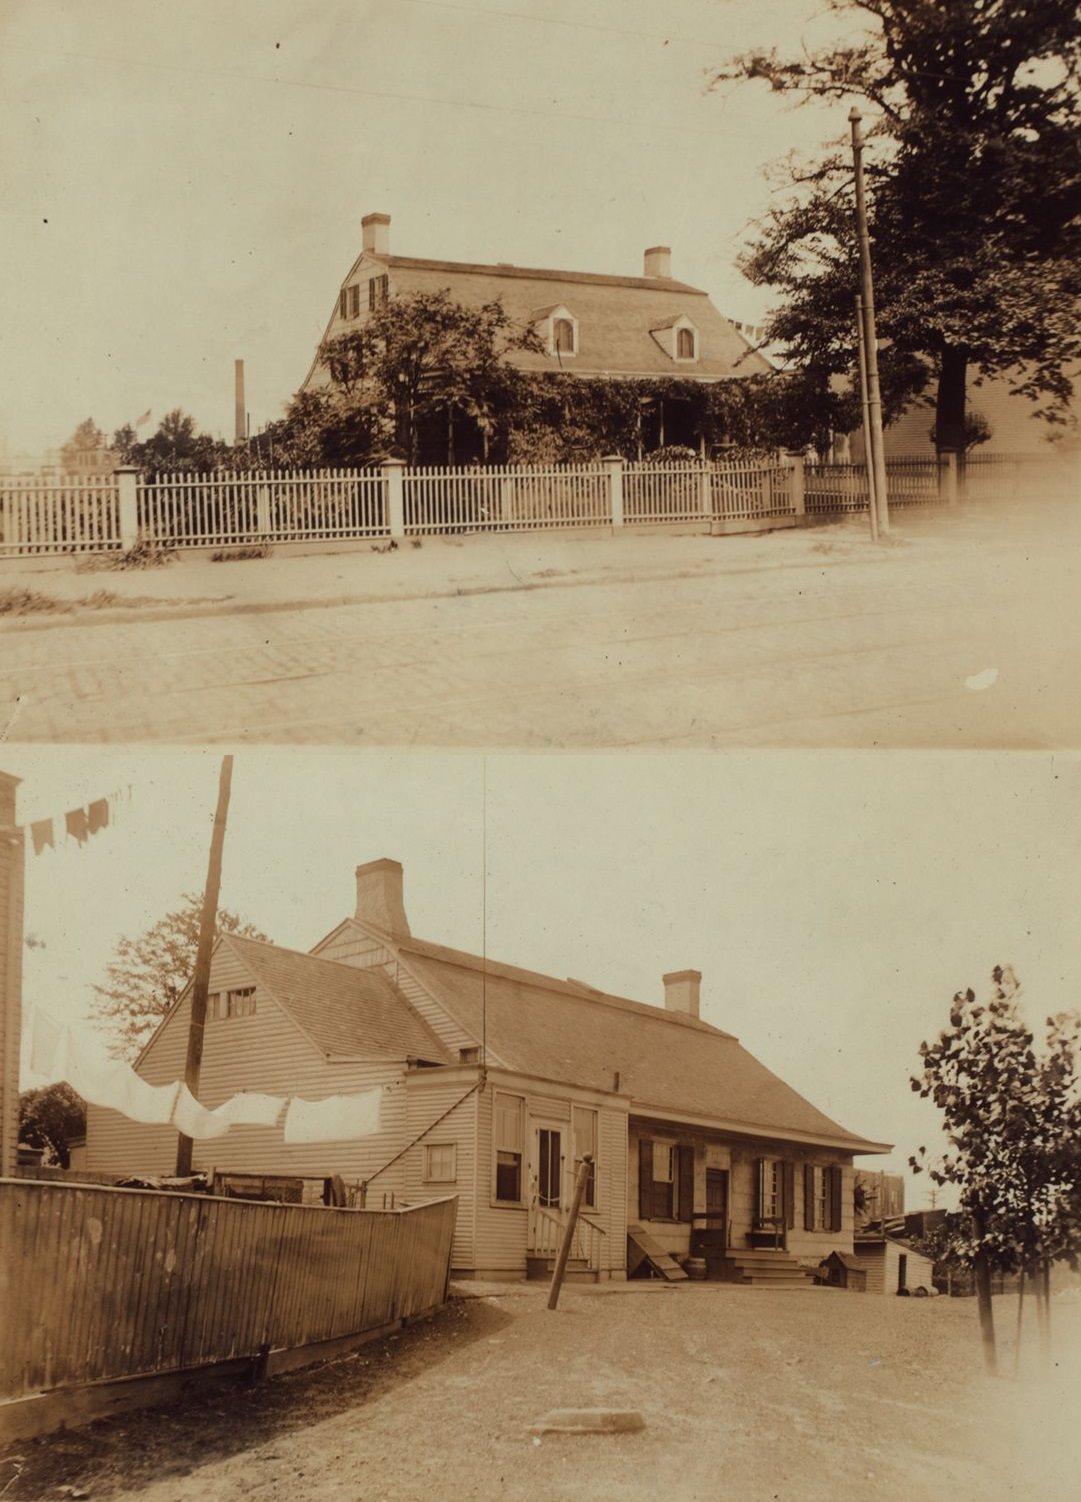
(1012, 1120)
(52, 1118)
(149, 973)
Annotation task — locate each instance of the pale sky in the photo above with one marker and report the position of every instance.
(183, 180)
(834, 902)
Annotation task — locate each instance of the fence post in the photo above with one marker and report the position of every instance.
(947, 478)
(127, 481)
(799, 483)
(705, 490)
(613, 463)
(262, 510)
(394, 479)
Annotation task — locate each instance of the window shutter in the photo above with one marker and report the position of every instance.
(685, 1210)
(836, 1183)
(808, 1197)
(645, 1179)
(759, 1177)
(789, 1181)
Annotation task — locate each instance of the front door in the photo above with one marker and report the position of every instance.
(711, 1228)
(548, 1158)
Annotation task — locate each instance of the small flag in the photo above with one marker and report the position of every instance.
(97, 815)
(141, 421)
(76, 824)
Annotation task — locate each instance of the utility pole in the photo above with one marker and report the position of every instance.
(876, 459)
(201, 979)
(584, 1171)
(872, 499)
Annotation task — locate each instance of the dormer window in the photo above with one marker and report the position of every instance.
(678, 337)
(558, 328)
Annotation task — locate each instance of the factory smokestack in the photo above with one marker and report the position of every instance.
(241, 409)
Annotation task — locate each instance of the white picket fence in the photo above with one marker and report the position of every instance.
(505, 498)
(96, 514)
(271, 506)
(72, 514)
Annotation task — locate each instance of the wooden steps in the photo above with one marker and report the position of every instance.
(762, 1268)
(539, 1267)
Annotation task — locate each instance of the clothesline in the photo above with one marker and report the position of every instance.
(58, 1053)
(76, 824)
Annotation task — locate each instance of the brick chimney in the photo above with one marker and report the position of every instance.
(11, 961)
(379, 896)
(375, 234)
(658, 261)
(681, 991)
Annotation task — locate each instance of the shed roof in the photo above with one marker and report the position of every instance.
(346, 1011)
(669, 1063)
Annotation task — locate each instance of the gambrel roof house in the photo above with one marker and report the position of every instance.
(497, 1082)
(590, 324)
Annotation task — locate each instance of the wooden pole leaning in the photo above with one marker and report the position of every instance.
(201, 979)
(585, 1169)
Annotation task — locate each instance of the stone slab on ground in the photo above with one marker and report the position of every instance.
(589, 1421)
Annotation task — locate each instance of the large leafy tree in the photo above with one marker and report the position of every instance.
(421, 358)
(975, 199)
(148, 973)
(52, 1118)
(1012, 1118)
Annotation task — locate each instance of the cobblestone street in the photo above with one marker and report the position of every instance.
(934, 641)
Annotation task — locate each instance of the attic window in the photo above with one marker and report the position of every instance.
(563, 336)
(685, 342)
(378, 291)
(238, 1003)
(469, 1055)
(349, 302)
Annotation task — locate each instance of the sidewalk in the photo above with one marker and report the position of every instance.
(193, 585)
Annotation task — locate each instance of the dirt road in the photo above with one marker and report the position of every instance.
(963, 632)
(768, 1396)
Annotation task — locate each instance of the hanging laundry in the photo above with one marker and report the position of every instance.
(251, 1109)
(77, 825)
(194, 1120)
(41, 834)
(97, 1078)
(339, 1118)
(139, 1101)
(97, 815)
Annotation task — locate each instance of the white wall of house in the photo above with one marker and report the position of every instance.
(740, 1158)
(502, 1229)
(265, 1052)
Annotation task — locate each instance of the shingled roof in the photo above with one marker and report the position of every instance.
(615, 316)
(347, 1012)
(669, 1063)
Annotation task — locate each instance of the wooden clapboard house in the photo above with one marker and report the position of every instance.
(699, 1150)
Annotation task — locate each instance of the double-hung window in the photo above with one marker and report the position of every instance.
(509, 1139)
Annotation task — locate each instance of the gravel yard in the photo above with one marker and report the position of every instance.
(767, 1396)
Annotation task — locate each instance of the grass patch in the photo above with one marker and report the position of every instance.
(141, 555)
(31, 602)
(235, 555)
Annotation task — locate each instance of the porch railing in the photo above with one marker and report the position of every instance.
(547, 1227)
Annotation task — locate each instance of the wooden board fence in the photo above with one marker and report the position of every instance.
(99, 1284)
